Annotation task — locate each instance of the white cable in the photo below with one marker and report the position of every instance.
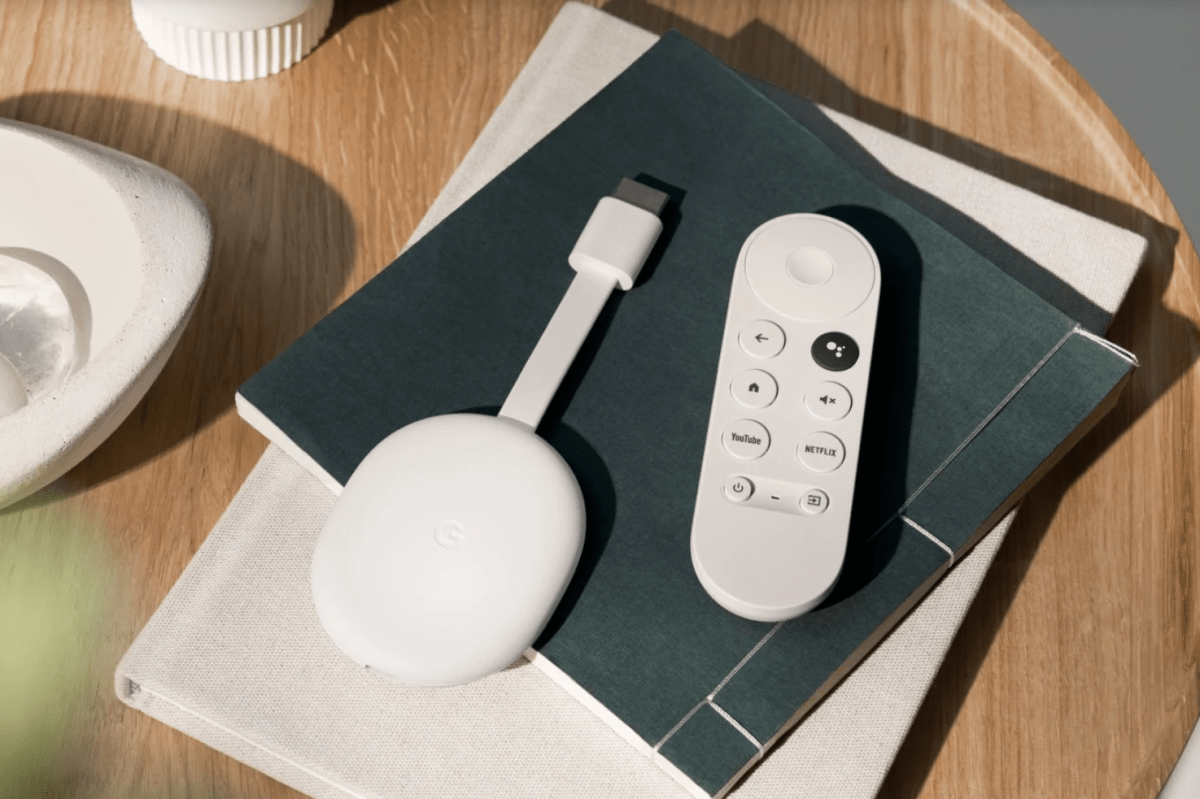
(557, 348)
(610, 251)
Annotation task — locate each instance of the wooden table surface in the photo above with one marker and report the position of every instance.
(1075, 674)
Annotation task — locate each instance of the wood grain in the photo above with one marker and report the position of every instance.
(1075, 673)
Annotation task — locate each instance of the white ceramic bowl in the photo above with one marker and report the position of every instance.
(130, 245)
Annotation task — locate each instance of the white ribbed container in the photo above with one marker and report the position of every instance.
(232, 40)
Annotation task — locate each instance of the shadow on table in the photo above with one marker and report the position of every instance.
(345, 11)
(1142, 325)
(266, 284)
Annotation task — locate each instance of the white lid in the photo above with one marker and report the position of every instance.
(227, 15)
(231, 39)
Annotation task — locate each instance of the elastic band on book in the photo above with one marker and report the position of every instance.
(733, 722)
(987, 419)
(679, 724)
(746, 659)
(1108, 345)
(724, 681)
(899, 514)
(930, 536)
(722, 713)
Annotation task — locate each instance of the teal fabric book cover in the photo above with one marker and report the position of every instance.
(976, 386)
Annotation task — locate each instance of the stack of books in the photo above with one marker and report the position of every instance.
(978, 385)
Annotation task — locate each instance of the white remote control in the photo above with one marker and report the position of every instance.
(772, 512)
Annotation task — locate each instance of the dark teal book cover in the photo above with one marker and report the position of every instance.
(976, 385)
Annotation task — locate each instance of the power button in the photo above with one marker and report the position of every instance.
(738, 488)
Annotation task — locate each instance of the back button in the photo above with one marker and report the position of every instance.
(761, 339)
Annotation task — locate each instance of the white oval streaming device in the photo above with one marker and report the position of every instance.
(455, 538)
(448, 549)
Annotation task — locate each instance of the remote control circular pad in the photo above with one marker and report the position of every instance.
(826, 277)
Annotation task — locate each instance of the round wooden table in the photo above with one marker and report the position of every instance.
(1075, 671)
